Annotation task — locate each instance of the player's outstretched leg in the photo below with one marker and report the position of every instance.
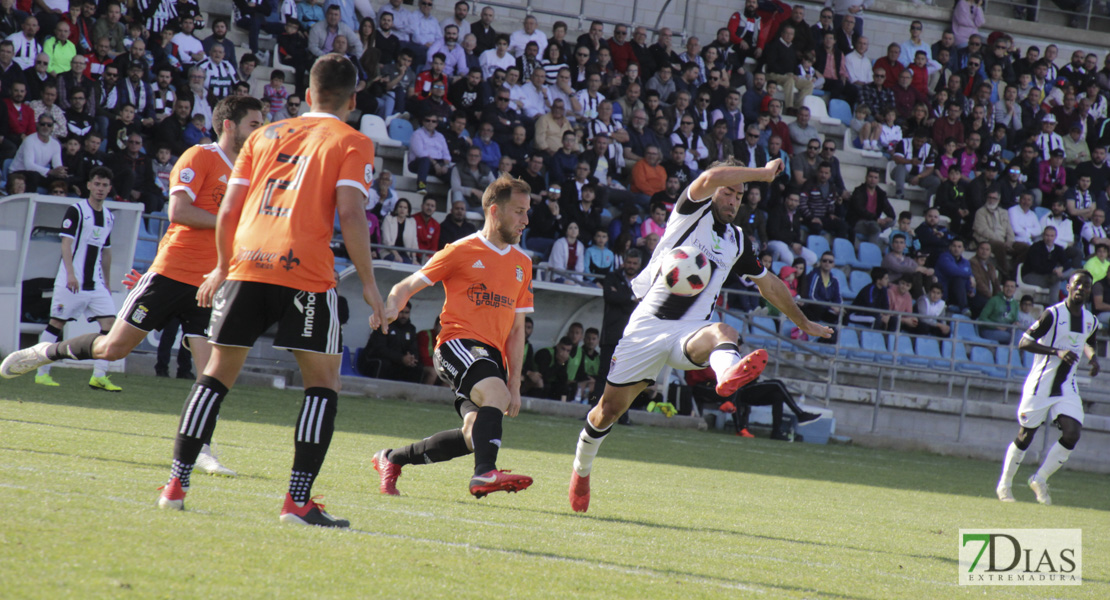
(1015, 453)
(1055, 458)
(492, 396)
(198, 420)
(440, 447)
(311, 441)
(599, 422)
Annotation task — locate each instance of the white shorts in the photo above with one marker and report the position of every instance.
(1033, 410)
(91, 304)
(648, 346)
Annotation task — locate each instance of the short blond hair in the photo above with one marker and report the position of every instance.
(501, 191)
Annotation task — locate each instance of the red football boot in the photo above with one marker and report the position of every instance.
(498, 481)
(579, 492)
(388, 471)
(742, 373)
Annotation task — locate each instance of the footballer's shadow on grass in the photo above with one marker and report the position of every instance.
(726, 581)
(718, 531)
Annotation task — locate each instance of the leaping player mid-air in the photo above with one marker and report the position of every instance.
(1057, 338)
(666, 329)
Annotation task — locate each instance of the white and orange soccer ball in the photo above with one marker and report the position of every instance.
(686, 271)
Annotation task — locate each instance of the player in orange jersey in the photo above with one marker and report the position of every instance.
(186, 253)
(275, 265)
(479, 351)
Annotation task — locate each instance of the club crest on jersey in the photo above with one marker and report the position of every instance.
(289, 262)
(479, 352)
(187, 175)
(519, 273)
(369, 173)
(67, 224)
(139, 314)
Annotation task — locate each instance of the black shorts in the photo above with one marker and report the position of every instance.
(243, 310)
(156, 299)
(462, 363)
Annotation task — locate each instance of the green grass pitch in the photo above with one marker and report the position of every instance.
(675, 514)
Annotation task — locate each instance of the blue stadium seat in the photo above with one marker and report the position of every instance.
(946, 350)
(776, 266)
(903, 345)
(818, 244)
(1010, 356)
(845, 293)
(965, 330)
(857, 280)
(870, 255)
(145, 251)
(400, 130)
(983, 360)
(840, 110)
(347, 367)
(848, 338)
(734, 322)
(1040, 211)
(845, 253)
(764, 327)
(928, 349)
(875, 342)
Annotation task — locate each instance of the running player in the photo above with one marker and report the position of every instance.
(1059, 335)
(671, 330)
(186, 254)
(274, 265)
(80, 288)
(479, 352)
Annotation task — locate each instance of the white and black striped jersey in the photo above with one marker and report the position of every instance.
(25, 50)
(91, 232)
(160, 13)
(1047, 142)
(692, 224)
(1060, 329)
(218, 78)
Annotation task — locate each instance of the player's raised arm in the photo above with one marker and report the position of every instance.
(734, 177)
(775, 291)
(356, 235)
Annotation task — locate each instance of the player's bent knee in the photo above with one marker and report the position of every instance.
(727, 332)
(492, 392)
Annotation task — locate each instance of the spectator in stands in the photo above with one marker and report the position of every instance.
(39, 157)
(985, 274)
(784, 231)
(823, 287)
(1065, 230)
(400, 231)
(219, 36)
(135, 174)
(900, 299)
(1024, 222)
(60, 50)
(802, 131)
(822, 205)
(859, 67)
(568, 254)
(1000, 312)
(869, 210)
(321, 35)
(397, 352)
(753, 97)
(992, 228)
(901, 266)
(1094, 232)
(455, 226)
(751, 220)
(78, 121)
(648, 176)
(470, 178)
(584, 211)
(951, 200)
(47, 106)
(427, 228)
(520, 38)
(781, 60)
(1046, 265)
(1081, 204)
(872, 296)
(933, 236)
(954, 275)
(1099, 262)
(949, 127)
(931, 306)
(553, 366)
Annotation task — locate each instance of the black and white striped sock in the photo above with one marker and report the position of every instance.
(311, 439)
(198, 420)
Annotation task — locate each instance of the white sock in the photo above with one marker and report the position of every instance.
(46, 336)
(1010, 465)
(1056, 457)
(100, 368)
(722, 357)
(588, 445)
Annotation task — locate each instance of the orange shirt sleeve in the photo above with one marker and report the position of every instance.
(357, 168)
(439, 266)
(524, 302)
(190, 173)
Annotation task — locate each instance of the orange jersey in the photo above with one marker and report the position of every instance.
(187, 254)
(485, 289)
(292, 169)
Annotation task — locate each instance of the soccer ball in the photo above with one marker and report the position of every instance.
(686, 271)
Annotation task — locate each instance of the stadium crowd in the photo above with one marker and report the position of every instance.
(1009, 145)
